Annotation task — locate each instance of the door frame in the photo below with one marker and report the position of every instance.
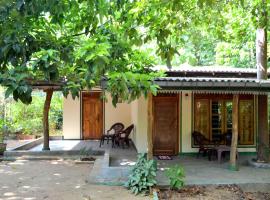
(177, 97)
(81, 111)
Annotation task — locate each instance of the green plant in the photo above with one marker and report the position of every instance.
(142, 175)
(176, 175)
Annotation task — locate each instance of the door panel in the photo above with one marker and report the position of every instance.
(92, 115)
(165, 127)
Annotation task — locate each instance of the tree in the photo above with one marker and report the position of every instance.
(68, 45)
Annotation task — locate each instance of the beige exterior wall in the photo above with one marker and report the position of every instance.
(186, 118)
(71, 118)
(120, 113)
(139, 119)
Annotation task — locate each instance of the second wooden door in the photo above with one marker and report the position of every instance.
(165, 125)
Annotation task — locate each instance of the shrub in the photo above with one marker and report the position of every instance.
(176, 175)
(142, 175)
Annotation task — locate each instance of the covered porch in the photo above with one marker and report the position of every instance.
(239, 92)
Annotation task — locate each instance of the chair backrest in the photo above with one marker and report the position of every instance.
(128, 130)
(117, 127)
(199, 138)
(228, 138)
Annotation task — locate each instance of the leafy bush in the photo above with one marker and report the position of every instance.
(176, 175)
(142, 175)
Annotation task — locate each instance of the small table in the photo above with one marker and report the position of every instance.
(223, 148)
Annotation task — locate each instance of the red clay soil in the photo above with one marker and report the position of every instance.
(212, 192)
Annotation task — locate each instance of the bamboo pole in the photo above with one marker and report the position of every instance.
(235, 116)
(150, 126)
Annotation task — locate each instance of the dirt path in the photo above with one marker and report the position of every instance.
(54, 180)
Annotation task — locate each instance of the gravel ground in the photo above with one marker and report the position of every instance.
(54, 180)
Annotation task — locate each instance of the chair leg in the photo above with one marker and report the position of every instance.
(101, 141)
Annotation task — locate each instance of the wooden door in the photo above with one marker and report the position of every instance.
(92, 108)
(165, 124)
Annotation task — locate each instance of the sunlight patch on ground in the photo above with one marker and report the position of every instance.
(77, 186)
(9, 194)
(17, 162)
(63, 145)
(126, 162)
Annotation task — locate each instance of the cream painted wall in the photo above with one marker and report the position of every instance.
(186, 117)
(71, 118)
(139, 119)
(120, 113)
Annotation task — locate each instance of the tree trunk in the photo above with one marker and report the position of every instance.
(150, 127)
(46, 109)
(235, 115)
(261, 60)
(261, 53)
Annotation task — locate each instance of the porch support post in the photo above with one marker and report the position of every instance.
(235, 114)
(150, 126)
(46, 109)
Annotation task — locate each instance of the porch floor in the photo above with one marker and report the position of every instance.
(118, 156)
(201, 171)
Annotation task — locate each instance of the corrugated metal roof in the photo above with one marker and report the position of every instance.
(250, 85)
(205, 69)
(210, 79)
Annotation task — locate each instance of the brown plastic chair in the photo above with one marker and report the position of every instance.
(123, 136)
(117, 127)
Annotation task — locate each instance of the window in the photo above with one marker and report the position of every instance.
(213, 117)
(246, 121)
(202, 122)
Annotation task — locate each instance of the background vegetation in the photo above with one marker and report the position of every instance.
(16, 117)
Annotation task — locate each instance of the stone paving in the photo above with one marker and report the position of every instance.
(201, 171)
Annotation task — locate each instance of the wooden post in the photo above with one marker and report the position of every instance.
(235, 115)
(150, 126)
(46, 109)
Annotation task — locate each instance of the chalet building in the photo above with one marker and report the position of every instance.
(190, 99)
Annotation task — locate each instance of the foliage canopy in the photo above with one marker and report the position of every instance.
(78, 42)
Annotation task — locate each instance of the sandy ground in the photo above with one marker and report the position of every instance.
(54, 180)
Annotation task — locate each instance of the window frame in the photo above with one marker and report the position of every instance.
(224, 98)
